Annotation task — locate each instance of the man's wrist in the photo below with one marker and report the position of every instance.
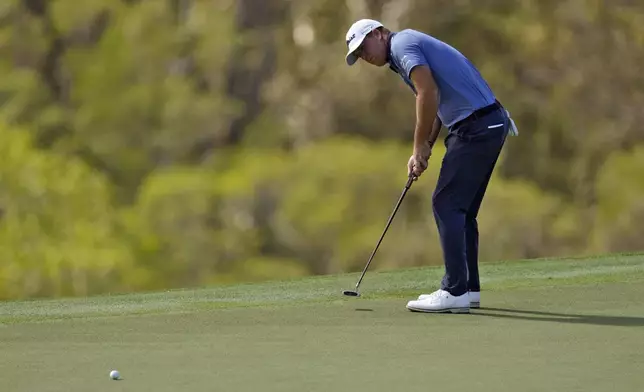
(422, 146)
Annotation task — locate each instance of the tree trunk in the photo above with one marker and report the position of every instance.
(252, 63)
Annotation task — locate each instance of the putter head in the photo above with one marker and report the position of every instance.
(350, 293)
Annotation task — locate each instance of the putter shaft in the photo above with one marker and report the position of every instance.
(410, 180)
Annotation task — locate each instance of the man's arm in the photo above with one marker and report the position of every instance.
(407, 49)
(427, 123)
(436, 130)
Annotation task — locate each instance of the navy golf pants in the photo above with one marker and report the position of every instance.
(473, 148)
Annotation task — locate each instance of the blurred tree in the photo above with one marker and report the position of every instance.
(619, 212)
(58, 232)
(227, 140)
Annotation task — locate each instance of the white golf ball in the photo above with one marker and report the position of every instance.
(115, 375)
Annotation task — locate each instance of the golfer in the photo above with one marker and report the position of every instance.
(451, 92)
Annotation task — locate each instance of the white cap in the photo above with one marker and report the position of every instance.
(356, 34)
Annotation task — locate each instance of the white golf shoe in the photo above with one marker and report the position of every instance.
(475, 298)
(441, 301)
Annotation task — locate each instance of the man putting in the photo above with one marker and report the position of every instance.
(449, 91)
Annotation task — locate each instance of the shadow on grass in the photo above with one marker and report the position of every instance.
(531, 315)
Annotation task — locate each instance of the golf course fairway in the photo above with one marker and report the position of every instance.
(545, 325)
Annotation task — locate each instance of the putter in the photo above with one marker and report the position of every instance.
(356, 293)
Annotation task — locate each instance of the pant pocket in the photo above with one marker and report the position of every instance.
(489, 127)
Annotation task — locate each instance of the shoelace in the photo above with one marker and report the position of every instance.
(435, 294)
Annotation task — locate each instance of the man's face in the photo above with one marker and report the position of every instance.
(373, 49)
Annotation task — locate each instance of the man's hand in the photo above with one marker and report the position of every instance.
(418, 161)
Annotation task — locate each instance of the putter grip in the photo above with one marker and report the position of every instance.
(410, 181)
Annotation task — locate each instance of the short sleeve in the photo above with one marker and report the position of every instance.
(407, 51)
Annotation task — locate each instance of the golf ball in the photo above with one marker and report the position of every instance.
(115, 375)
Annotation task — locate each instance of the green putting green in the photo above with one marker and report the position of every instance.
(546, 325)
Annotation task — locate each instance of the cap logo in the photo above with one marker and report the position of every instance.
(351, 39)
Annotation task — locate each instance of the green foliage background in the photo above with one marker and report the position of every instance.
(169, 143)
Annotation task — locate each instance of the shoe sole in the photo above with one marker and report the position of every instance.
(474, 305)
(449, 310)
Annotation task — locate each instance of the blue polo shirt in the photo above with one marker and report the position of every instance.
(462, 89)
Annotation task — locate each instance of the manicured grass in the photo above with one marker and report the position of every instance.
(555, 325)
